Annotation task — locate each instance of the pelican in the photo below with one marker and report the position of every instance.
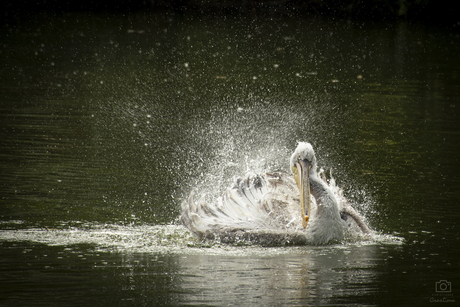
(276, 208)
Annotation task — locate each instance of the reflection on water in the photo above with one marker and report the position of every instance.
(295, 278)
(108, 122)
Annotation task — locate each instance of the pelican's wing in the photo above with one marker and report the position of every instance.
(263, 208)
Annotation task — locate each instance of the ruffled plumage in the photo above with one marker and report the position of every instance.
(265, 209)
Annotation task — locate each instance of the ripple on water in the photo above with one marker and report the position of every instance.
(159, 239)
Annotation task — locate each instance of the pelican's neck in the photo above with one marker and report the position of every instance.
(321, 192)
(326, 224)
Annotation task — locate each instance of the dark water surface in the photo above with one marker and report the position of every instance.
(108, 122)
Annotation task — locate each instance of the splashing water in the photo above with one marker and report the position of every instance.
(161, 239)
(237, 140)
(255, 139)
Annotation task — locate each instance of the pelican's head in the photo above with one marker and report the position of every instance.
(303, 161)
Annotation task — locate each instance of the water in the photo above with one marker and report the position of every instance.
(108, 122)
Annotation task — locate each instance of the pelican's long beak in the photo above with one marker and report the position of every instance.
(303, 182)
